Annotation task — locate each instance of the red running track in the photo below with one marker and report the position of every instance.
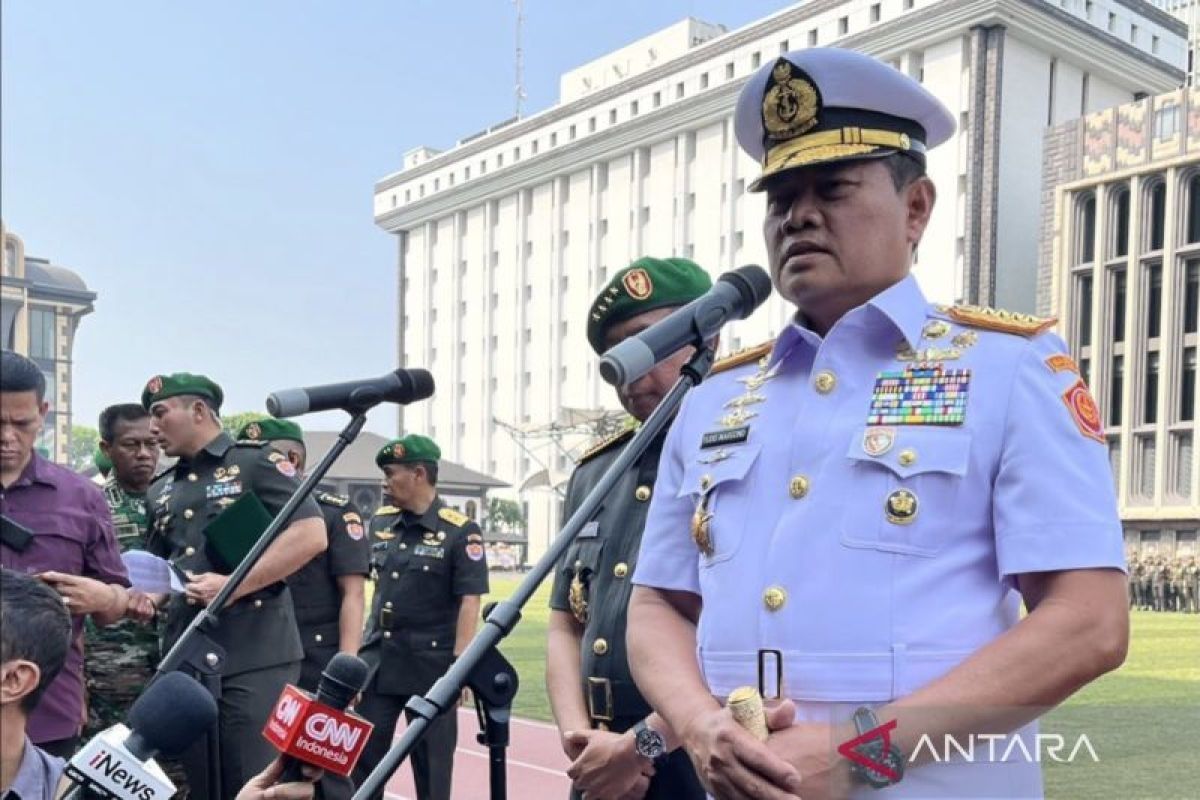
(536, 764)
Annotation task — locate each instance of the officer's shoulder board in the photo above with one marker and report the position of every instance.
(455, 518)
(743, 356)
(384, 511)
(607, 443)
(331, 499)
(998, 319)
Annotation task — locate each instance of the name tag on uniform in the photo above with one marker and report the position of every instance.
(429, 550)
(215, 490)
(590, 531)
(719, 438)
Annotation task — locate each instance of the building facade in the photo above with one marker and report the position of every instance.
(1121, 269)
(41, 305)
(504, 239)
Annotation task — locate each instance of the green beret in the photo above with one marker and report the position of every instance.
(103, 462)
(160, 387)
(407, 450)
(270, 430)
(645, 285)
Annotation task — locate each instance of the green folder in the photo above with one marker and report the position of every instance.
(235, 532)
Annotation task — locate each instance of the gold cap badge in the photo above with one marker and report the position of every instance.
(790, 103)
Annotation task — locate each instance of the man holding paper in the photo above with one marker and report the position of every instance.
(205, 514)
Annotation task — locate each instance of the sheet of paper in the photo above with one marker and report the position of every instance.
(150, 574)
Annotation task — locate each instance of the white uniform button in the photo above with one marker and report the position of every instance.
(317, 638)
(387, 634)
(193, 477)
(600, 647)
(621, 570)
(642, 493)
(258, 603)
(433, 644)
(425, 568)
(403, 546)
(395, 576)
(188, 514)
(388, 604)
(190, 551)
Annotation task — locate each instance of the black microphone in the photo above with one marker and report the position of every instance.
(342, 679)
(735, 295)
(172, 713)
(402, 386)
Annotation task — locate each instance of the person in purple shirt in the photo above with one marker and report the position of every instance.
(56, 525)
(35, 634)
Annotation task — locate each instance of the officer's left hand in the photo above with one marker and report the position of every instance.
(141, 606)
(608, 768)
(203, 587)
(84, 595)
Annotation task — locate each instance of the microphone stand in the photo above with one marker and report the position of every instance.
(481, 666)
(194, 650)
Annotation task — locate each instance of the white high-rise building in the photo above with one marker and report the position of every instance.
(505, 238)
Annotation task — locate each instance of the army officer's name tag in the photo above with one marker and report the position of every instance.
(429, 550)
(215, 490)
(721, 438)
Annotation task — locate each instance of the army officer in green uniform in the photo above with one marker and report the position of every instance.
(607, 729)
(431, 573)
(258, 630)
(327, 591)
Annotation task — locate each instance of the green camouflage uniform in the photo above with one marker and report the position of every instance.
(119, 659)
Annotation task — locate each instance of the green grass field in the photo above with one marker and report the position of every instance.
(1142, 720)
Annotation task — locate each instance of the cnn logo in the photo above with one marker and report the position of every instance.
(288, 709)
(323, 728)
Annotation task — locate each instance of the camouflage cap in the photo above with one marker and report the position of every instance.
(270, 430)
(160, 387)
(407, 450)
(645, 285)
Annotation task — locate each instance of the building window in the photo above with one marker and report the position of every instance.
(843, 26)
(1133, 32)
(612, 116)
(1112, 22)
(1147, 456)
(875, 12)
(633, 108)
(1118, 284)
(1087, 8)
(1154, 45)
(1157, 215)
(1120, 223)
(1166, 122)
(41, 334)
(1153, 300)
(1086, 245)
(1193, 208)
(1083, 316)
(704, 81)
(1116, 388)
(591, 125)
(755, 60)
(1191, 296)
(554, 139)
(679, 90)
(908, 4)
(729, 70)
(783, 47)
(571, 133)
(1187, 387)
(657, 101)
(467, 172)
(1150, 395)
(533, 147)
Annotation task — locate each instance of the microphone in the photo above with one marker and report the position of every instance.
(402, 386)
(319, 731)
(118, 762)
(734, 296)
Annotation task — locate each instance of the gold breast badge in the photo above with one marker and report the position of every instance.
(577, 597)
(701, 526)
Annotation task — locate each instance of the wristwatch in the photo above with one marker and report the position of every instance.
(649, 743)
(873, 750)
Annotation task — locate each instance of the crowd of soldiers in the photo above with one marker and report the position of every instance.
(1159, 583)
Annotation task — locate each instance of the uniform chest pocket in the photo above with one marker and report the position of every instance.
(424, 562)
(720, 494)
(906, 494)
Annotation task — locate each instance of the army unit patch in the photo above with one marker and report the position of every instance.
(1062, 363)
(475, 551)
(1084, 411)
(921, 394)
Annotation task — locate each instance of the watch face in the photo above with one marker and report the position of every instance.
(649, 744)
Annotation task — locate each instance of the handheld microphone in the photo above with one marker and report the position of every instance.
(402, 386)
(319, 731)
(119, 763)
(734, 296)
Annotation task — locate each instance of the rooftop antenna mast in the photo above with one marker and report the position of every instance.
(519, 88)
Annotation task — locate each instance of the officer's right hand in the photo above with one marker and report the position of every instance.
(608, 766)
(732, 764)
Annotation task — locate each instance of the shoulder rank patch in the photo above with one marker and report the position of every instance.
(455, 518)
(1084, 411)
(606, 443)
(383, 511)
(997, 319)
(744, 356)
(329, 498)
(1062, 363)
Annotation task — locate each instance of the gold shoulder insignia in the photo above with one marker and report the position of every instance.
(455, 518)
(744, 356)
(606, 443)
(329, 498)
(383, 511)
(997, 319)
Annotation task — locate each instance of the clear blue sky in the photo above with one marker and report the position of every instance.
(207, 167)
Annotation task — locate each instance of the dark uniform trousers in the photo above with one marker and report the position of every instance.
(258, 632)
(424, 565)
(318, 601)
(593, 583)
